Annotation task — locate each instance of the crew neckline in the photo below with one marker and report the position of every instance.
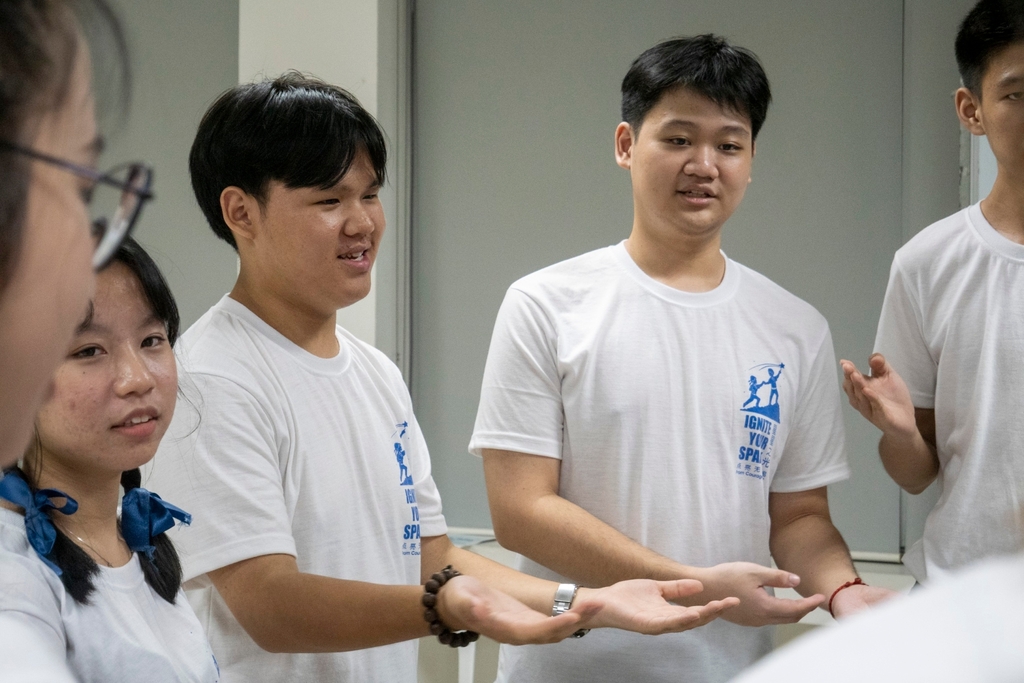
(723, 292)
(323, 366)
(127, 577)
(995, 240)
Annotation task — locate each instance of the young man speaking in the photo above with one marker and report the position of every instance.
(655, 409)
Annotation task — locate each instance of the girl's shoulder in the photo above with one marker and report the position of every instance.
(29, 587)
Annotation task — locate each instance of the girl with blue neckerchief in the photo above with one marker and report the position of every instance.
(108, 587)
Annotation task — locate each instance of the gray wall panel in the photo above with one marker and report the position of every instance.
(513, 170)
(184, 54)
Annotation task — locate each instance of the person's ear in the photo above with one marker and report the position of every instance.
(240, 211)
(968, 110)
(624, 145)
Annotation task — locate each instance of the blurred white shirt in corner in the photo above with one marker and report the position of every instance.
(967, 628)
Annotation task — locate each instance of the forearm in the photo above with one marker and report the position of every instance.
(909, 459)
(297, 612)
(564, 537)
(811, 547)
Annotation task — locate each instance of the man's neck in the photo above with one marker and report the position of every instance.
(1004, 206)
(689, 264)
(310, 330)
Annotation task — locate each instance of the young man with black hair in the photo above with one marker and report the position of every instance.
(635, 419)
(948, 370)
(315, 516)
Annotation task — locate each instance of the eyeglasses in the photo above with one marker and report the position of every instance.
(115, 199)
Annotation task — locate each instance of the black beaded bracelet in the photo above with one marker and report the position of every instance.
(443, 633)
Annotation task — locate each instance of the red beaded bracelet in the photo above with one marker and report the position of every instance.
(437, 627)
(855, 582)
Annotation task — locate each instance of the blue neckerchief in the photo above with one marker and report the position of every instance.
(38, 525)
(144, 515)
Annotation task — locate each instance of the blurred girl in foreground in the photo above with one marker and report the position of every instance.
(49, 247)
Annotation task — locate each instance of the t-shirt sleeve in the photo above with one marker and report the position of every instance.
(29, 605)
(221, 461)
(815, 451)
(520, 398)
(901, 338)
(428, 500)
(31, 652)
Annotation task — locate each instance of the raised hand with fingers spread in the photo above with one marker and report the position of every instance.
(907, 447)
(882, 397)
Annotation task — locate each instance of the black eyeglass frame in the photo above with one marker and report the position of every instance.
(95, 176)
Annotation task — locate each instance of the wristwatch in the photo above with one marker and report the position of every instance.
(564, 596)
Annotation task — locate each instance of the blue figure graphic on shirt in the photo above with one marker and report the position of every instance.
(754, 403)
(773, 382)
(405, 479)
(754, 386)
(760, 422)
(403, 471)
(409, 532)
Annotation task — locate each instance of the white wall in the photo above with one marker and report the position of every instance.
(335, 40)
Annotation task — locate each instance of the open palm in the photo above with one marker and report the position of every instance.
(645, 606)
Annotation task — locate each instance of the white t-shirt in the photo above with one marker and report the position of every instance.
(674, 415)
(965, 629)
(126, 632)
(317, 458)
(952, 326)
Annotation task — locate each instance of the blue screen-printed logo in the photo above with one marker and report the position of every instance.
(411, 531)
(404, 478)
(761, 419)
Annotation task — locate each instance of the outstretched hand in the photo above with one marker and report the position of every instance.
(882, 398)
(466, 603)
(747, 581)
(645, 606)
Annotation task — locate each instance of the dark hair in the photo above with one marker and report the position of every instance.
(731, 77)
(294, 129)
(988, 28)
(38, 43)
(163, 572)
(154, 286)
